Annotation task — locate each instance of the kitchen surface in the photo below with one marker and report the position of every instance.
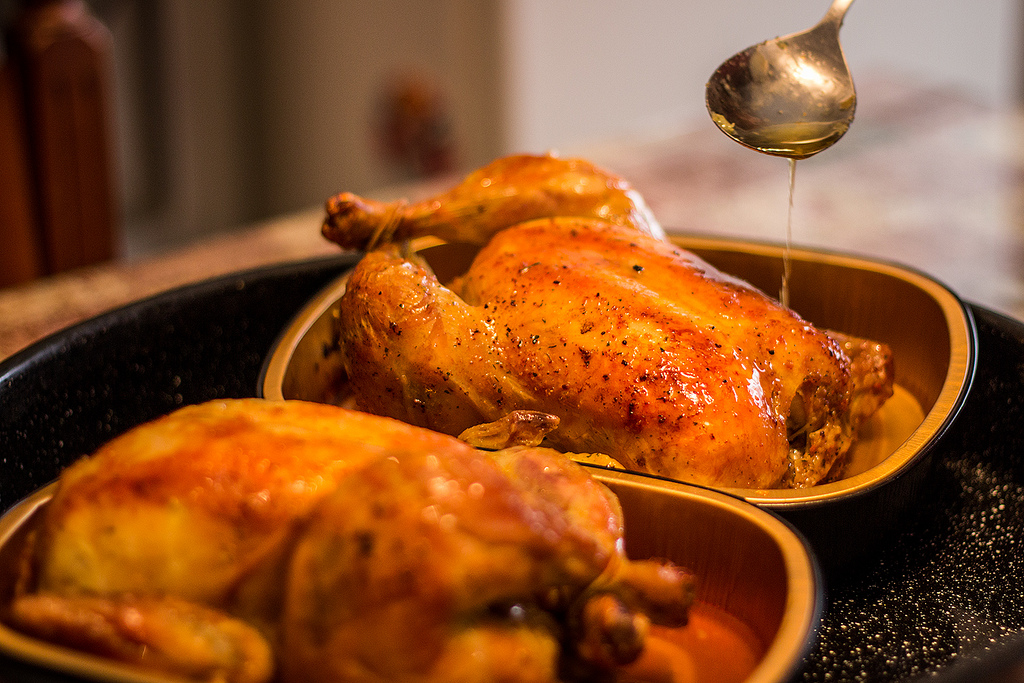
(926, 178)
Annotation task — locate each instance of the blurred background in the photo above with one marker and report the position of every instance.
(229, 112)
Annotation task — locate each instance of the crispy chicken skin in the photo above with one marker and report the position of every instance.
(640, 349)
(248, 541)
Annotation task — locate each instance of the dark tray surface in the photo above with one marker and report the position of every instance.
(945, 596)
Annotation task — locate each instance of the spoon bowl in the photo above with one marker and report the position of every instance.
(791, 96)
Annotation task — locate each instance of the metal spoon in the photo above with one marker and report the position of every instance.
(791, 96)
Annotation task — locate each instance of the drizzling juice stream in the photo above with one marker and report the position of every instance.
(784, 289)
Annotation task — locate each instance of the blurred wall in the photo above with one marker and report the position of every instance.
(581, 72)
(236, 110)
(185, 118)
(336, 73)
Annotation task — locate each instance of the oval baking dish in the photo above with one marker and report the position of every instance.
(759, 586)
(930, 331)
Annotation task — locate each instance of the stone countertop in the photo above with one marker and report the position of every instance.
(924, 178)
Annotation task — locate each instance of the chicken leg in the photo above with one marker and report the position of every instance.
(507, 191)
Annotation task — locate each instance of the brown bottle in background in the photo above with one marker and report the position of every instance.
(63, 55)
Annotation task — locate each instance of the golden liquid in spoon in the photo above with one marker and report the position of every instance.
(793, 140)
(784, 291)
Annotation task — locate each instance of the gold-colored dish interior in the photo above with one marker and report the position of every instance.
(927, 327)
(15, 527)
(750, 566)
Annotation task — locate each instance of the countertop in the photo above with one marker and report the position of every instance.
(925, 178)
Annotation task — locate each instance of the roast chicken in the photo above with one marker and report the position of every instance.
(578, 307)
(249, 541)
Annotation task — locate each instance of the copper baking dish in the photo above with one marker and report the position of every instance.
(751, 566)
(931, 333)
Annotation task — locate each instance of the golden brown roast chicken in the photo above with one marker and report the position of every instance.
(577, 307)
(249, 541)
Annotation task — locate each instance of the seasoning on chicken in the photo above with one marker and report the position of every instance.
(641, 350)
(248, 541)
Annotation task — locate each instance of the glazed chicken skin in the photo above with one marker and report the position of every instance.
(507, 191)
(640, 349)
(446, 568)
(250, 541)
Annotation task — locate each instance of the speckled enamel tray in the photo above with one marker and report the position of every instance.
(941, 598)
(929, 329)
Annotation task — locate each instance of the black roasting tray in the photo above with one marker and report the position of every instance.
(942, 598)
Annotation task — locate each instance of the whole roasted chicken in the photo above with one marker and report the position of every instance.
(578, 307)
(248, 541)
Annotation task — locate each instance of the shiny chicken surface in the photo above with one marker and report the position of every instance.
(252, 541)
(640, 349)
(507, 191)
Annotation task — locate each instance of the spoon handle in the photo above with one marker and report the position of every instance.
(836, 13)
